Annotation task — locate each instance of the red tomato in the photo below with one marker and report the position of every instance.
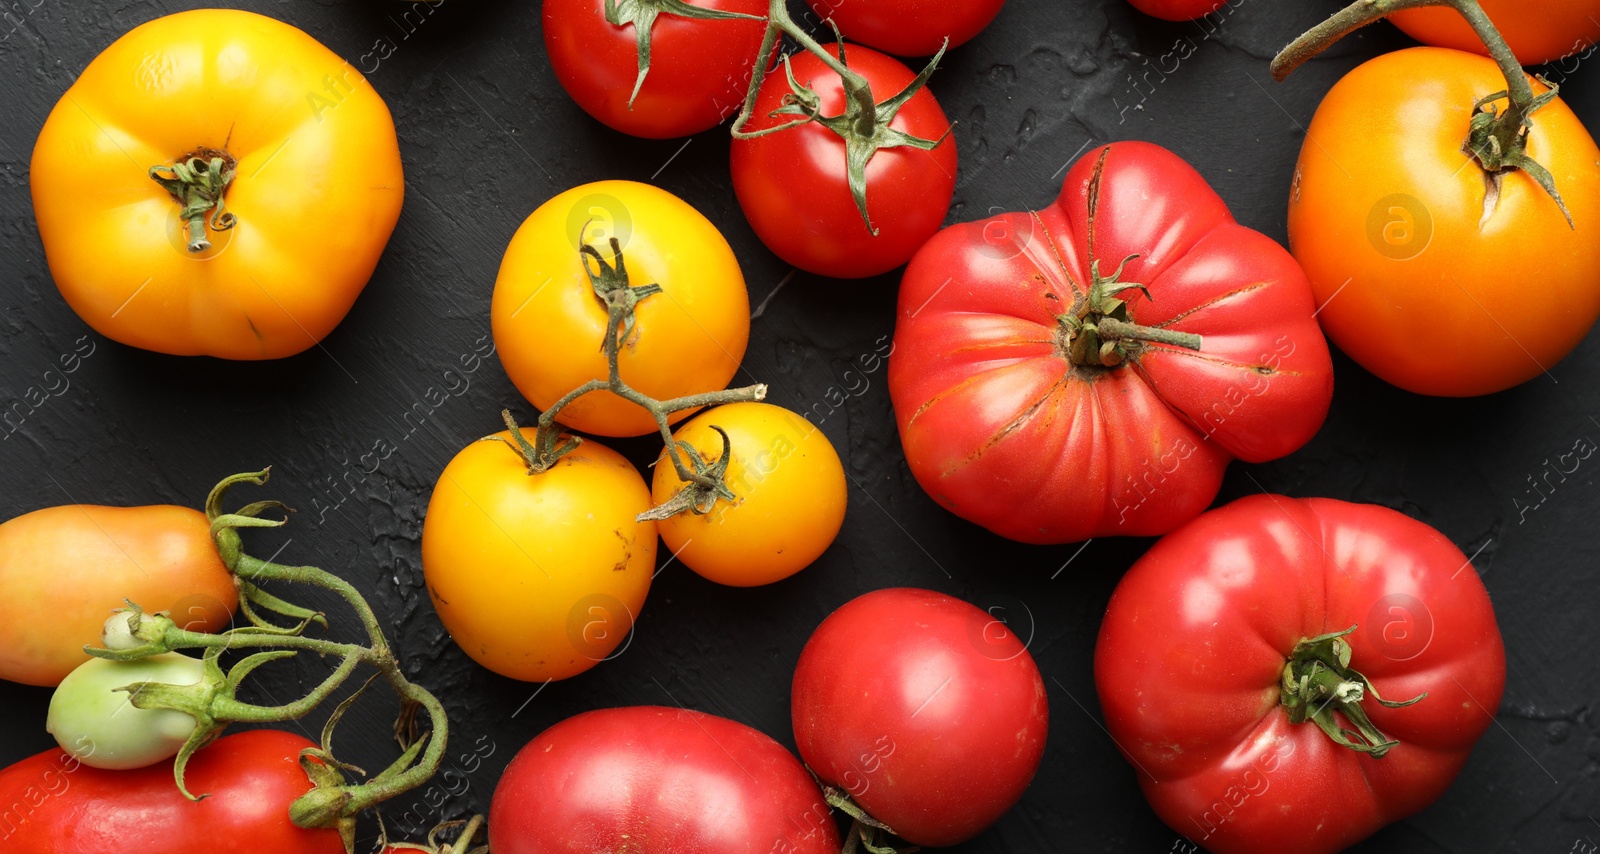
(927, 711)
(908, 27)
(1537, 30)
(651, 780)
(699, 69)
(53, 804)
(1178, 10)
(793, 187)
(1191, 662)
(1009, 423)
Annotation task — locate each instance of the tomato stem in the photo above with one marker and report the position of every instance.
(199, 182)
(704, 483)
(1319, 682)
(642, 15)
(1497, 141)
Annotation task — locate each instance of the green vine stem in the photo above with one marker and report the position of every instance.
(1318, 681)
(334, 802)
(199, 182)
(461, 845)
(1498, 141)
(611, 286)
(866, 832)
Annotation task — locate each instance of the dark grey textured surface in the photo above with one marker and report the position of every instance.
(487, 135)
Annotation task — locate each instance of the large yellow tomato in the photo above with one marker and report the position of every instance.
(789, 490)
(549, 325)
(1388, 217)
(538, 577)
(314, 194)
(73, 565)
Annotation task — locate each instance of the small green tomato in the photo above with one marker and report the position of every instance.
(99, 725)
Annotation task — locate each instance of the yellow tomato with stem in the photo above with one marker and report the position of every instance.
(548, 322)
(216, 183)
(789, 495)
(538, 576)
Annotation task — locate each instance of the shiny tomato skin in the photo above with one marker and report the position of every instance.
(61, 806)
(794, 190)
(926, 710)
(652, 780)
(1178, 10)
(908, 27)
(317, 191)
(1538, 31)
(1000, 427)
(698, 68)
(78, 562)
(1192, 651)
(1385, 213)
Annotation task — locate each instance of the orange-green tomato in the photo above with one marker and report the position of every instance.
(1536, 30)
(548, 324)
(1387, 215)
(538, 577)
(71, 566)
(790, 496)
(316, 189)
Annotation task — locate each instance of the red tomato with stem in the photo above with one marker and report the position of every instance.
(927, 711)
(908, 27)
(1218, 673)
(652, 780)
(1179, 10)
(794, 188)
(699, 68)
(1051, 395)
(57, 805)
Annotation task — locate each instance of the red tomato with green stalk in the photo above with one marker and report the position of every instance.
(1241, 661)
(923, 715)
(908, 27)
(654, 68)
(833, 180)
(1090, 369)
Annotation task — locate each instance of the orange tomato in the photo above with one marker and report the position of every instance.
(789, 489)
(1537, 30)
(1387, 216)
(316, 189)
(72, 566)
(538, 577)
(549, 325)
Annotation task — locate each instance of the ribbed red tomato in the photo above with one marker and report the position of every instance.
(1050, 399)
(1205, 644)
(652, 780)
(54, 804)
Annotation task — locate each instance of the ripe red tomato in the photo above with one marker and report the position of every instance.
(651, 780)
(698, 68)
(927, 711)
(1536, 30)
(54, 804)
(1015, 415)
(1191, 665)
(1177, 10)
(793, 187)
(908, 27)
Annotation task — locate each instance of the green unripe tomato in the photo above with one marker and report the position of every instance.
(99, 725)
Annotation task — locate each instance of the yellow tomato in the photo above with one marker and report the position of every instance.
(315, 194)
(538, 577)
(549, 325)
(790, 496)
(73, 565)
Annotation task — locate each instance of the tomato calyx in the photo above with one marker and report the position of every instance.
(1496, 140)
(864, 124)
(698, 496)
(1319, 682)
(435, 845)
(642, 15)
(199, 182)
(865, 831)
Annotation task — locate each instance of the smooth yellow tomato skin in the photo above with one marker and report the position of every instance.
(317, 190)
(548, 325)
(538, 577)
(71, 566)
(1384, 215)
(790, 503)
